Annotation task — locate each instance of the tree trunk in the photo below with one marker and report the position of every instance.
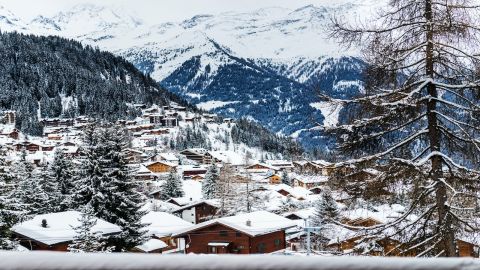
(444, 218)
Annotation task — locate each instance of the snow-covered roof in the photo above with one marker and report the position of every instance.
(60, 227)
(297, 192)
(382, 213)
(302, 213)
(322, 163)
(280, 163)
(229, 157)
(253, 224)
(163, 224)
(152, 245)
(161, 162)
(212, 202)
(168, 156)
(310, 179)
(269, 167)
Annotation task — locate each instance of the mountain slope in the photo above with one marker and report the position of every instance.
(51, 77)
(267, 65)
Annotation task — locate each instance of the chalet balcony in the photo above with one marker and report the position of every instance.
(69, 261)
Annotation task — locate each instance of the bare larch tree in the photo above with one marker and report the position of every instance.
(418, 120)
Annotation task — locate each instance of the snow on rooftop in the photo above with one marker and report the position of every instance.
(253, 224)
(152, 245)
(382, 213)
(59, 227)
(163, 224)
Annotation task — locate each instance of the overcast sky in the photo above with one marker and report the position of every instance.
(154, 10)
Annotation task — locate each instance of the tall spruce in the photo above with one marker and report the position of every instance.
(326, 209)
(418, 121)
(210, 183)
(60, 172)
(107, 184)
(8, 216)
(285, 178)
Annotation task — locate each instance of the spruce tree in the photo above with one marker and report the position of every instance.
(285, 178)
(28, 196)
(172, 188)
(86, 240)
(210, 183)
(60, 172)
(8, 217)
(326, 209)
(110, 188)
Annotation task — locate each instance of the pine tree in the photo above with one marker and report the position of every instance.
(86, 240)
(87, 179)
(286, 179)
(110, 189)
(172, 188)
(210, 183)
(326, 209)
(60, 172)
(27, 197)
(8, 217)
(418, 119)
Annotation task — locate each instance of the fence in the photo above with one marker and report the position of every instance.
(68, 261)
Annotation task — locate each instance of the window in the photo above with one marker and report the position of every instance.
(261, 248)
(223, 233)
(277, 242)
(238, 234)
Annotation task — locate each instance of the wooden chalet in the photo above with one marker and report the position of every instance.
(274, 179)
(309, 181)
(54, 232)
(12, 133)
(161, 226)
(261, 168)
(160, 167)
(189, 171)
(198, 212)
(306, 167)
(251, 233)
(195, 154)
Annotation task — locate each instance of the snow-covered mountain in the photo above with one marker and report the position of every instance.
(267, 65)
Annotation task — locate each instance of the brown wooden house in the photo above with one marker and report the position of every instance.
(54, 232)
(198, 212)
(160, 167)
(256, 232)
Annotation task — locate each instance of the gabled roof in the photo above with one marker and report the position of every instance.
(60, 227)
(152, 245)
(161, 162)
(161, 224)
(211, 202)
(264, 165)
(252, 224)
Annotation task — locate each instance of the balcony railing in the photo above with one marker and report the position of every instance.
(69, 261)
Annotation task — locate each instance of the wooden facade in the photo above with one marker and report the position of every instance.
(160, 167)
(274, 179)
(220, 239)
(198, 212)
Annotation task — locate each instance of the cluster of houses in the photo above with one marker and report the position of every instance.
(190, 224)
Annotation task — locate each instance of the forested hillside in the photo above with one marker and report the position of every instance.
(56, 77)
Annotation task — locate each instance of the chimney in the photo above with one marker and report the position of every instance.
(44, 223)
(249, 223)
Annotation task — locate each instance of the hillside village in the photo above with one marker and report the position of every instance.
(269, 204)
